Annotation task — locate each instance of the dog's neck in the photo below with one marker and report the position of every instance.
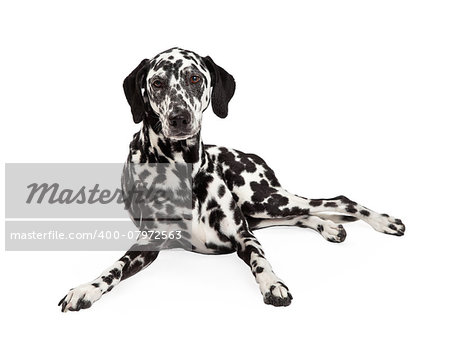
(163, 150)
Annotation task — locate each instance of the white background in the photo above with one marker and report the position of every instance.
(348, 97)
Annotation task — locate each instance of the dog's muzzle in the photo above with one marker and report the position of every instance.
(180, 123)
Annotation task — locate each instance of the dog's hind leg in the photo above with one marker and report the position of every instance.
(278, 203)
(341, 204)
(328, 229)
(85, 295)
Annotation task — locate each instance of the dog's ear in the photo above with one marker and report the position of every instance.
(135, 91)
(223, 87)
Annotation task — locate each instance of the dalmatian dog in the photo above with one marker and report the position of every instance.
(233, 193)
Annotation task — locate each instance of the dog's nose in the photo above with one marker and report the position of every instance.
(180, 119)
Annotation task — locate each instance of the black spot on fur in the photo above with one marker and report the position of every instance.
(365, 212)
(300, 224)
(232, 179)
(278, 200)
(259, 269)
(200, 186)
(245, 253)
(270, 175)
(82, 304)
(108, 279)
(348, 218)
(210, 167)
(221, 191)
(116, 273)
(238, 217)
(316, 202)
(261, 190)
(330, 204)
(215, 218)
(212, 204)
(219, 249)
(351, 209)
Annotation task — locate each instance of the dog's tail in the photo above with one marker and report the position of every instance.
(338, 219)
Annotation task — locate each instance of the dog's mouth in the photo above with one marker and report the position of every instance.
(181, 135)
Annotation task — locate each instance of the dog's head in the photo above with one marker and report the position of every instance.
(172, 90)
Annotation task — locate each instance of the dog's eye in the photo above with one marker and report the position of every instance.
(195, 79)
(157, 83)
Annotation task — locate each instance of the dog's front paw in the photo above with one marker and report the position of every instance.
(388, 225)
(278, 295)
(81, 297)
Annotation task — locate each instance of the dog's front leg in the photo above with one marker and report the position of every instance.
(249, 249)
(83, 296)
(231, 225)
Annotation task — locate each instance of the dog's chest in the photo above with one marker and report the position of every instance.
(212, 213)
